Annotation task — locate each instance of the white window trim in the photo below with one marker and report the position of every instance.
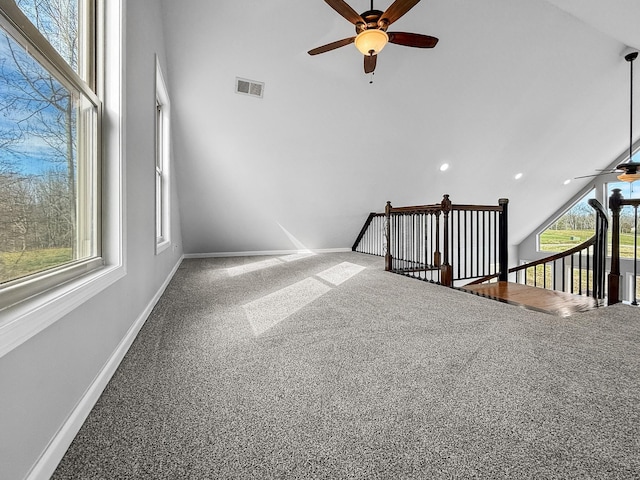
(20, 322)
(629, 283)
(162, 200)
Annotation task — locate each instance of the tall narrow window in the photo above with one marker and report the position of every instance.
(49, 145)
(163, 149)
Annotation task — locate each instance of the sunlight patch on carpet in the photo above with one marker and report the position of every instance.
(270, 262)
(268, 311)
(297, 256)
(252, 267)
(340, 273)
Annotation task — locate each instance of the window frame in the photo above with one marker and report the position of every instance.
(585, 195)
(19, 27)
(162, 162)
(23, 319)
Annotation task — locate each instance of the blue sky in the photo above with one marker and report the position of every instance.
(32, 154)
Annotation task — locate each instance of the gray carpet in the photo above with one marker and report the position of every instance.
(380, 376)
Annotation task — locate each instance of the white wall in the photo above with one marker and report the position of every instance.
(511, 87)
(42, 381)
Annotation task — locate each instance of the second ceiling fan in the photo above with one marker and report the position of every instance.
(371, 31)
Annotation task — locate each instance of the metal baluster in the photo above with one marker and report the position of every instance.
(579, 273)
(571, 274)
(587, 273)
(495, 244)
(478, 246)
(457, 213)
(423, 243)
(635, 255)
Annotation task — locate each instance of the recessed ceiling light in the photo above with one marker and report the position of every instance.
(567, 181)
(518, 176)
(444, 167)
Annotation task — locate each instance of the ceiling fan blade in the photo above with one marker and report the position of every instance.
(603, 172)
(332, 46)
(370, 63)
(588, 176)
(397, 9)
(412, 39)
(346, 11)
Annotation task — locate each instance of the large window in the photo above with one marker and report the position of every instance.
(578, 223)
(49, 145)
(572, 228)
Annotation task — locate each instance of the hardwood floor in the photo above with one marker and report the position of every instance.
(540, 299)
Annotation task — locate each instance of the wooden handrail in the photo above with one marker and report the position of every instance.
(558, 256)
(438, 207)
(416, 209)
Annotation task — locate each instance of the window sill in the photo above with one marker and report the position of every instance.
(22, 321)
(162, 246)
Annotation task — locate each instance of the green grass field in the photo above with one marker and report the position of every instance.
(561, 240)
(19, 264)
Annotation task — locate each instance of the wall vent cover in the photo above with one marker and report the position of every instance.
(249, 87)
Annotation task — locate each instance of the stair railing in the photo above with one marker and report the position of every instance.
(371, 238)
(445, 242)
(579, 270)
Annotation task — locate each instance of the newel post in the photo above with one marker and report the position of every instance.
(446, 270)
(615, 204)
(503, 242)
(387, 237)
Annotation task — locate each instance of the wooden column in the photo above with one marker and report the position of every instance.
(446, 270)
(387, 235)
(504, 240)
(615, 205)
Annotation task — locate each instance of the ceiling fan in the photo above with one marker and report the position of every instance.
(371, 31)
(627, 170)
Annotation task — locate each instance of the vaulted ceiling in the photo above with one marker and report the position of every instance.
(537, 87)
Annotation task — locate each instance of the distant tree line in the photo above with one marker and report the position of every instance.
(582, 217)
(34, 212)
(579, 217)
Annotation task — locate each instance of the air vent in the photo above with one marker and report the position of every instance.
(249, 87)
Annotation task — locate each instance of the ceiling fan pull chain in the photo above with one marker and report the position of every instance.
(372, 74)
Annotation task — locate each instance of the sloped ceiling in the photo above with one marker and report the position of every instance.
(537, 87)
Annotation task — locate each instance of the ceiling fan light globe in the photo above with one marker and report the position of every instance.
(372, 41)
(629, 177)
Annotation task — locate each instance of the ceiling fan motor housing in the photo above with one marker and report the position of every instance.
(371, 18)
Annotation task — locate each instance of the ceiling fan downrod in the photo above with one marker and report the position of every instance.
(630, 57)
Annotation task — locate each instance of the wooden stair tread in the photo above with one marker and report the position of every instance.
(549, 301)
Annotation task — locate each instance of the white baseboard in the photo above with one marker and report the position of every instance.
(51, 457)
(264, 252)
